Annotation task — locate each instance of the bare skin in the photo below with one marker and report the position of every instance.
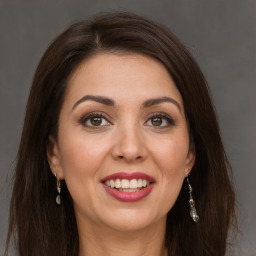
(107, 242)
(121, 113)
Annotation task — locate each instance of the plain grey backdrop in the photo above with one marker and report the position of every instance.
(221, 35)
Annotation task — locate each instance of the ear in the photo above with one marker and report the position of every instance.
(191, 158)
(53, 157)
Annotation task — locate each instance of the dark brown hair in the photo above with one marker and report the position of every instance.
(37, 226)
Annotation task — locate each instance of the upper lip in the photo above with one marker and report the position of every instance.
(128, 176)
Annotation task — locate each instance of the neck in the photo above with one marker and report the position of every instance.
(104, 241)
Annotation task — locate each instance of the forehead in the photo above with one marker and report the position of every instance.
(123, 75)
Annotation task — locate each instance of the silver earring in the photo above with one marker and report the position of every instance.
(193, 212)
(58, 199)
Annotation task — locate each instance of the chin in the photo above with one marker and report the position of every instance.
(132, 220)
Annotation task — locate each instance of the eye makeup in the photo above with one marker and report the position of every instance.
(98, 119)
(94, 120)
(159, 120)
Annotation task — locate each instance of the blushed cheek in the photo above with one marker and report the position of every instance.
(80, 161)
(172, 164)
(172, 156)
(81, 155)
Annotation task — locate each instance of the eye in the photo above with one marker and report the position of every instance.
(94, 120)
(160, 120)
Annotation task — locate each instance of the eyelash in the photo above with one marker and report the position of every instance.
(101, 115)
(160, 115)
(87, 117)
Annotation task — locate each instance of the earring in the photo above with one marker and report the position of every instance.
(193, 212)
(58, 199)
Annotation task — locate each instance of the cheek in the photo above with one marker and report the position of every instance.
(81, 161)
(170, 158)
(171, 155)
(81, 154)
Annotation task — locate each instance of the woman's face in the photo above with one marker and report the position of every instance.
(123, 143)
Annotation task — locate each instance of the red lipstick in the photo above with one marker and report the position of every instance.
(129, 196)
(128, 176)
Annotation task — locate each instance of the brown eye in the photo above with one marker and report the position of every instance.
(156, 121)
(96, 121)
(160, 120)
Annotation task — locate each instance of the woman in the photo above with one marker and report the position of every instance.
(120, 152)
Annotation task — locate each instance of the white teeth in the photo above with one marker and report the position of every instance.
(139, 183)
(127, 185)
(118, 183)
(129, 189)
(133, 183)
(112, 183)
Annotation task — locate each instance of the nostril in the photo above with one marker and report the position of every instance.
(136, 158)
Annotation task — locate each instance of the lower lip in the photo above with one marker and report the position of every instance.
(128, 196)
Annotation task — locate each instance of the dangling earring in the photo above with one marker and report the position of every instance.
(58, 199)
(193, 212)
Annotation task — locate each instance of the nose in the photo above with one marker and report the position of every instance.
(129, 144)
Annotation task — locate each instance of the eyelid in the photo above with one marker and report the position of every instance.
(87, 116)
(163, 115)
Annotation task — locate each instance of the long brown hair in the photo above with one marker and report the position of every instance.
(39, 227)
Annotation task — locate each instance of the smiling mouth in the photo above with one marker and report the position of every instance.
(126, 185)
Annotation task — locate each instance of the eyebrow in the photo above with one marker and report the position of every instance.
(109, 102)
(156, 101)
(100, 99)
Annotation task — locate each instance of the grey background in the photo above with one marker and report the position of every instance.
(221, 36)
